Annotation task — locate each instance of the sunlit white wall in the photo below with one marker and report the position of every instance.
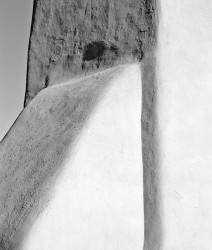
(185, 120)
(98, 200)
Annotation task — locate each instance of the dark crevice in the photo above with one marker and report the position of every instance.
(46, 81)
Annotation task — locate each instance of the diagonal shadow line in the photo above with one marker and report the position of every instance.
(34, 151)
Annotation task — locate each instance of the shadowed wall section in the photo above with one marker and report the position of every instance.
(150, 144)
(62, 29)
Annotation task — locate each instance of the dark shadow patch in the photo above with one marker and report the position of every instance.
(114, 49)
(99, 53)
(46, 81)
(94, 50)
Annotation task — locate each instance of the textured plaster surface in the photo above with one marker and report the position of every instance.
(150, 143)
(97, 202)
(125, 30)
(33, 152)
(62, 29)
(185, 121)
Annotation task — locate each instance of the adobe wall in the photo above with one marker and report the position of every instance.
(184, 80)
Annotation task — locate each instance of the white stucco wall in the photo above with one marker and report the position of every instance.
(185, 122)
(98, 201)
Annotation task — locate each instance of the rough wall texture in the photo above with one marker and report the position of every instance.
(72, 37)
(34, 151)
(150, 151)
(62, 31)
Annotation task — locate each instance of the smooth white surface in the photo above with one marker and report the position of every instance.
(98, 201)
(185, 119)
